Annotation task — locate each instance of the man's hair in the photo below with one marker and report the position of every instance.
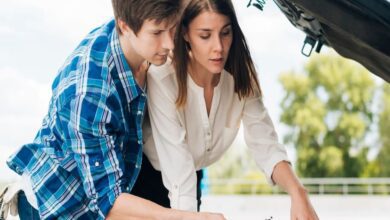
(135, 12)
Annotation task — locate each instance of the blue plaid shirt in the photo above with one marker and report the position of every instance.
(89, 148)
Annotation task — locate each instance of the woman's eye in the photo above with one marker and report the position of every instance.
(226, 33)
(204, 36)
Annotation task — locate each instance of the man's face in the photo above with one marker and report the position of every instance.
(153, 41)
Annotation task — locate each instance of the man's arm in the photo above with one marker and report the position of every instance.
(92, 141)
(128, 206)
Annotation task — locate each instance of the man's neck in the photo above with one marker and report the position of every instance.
(134, 60)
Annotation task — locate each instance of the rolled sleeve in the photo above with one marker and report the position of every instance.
(106, 202)
(91, 137)
(182, 202)
(261, 137)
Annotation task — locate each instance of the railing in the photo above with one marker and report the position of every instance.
(371, 186)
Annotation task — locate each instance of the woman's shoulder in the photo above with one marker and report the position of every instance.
(162, 72)
(161, 79)
(227, 80)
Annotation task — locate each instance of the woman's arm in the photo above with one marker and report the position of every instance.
(271, 157)
(301, 207)
(169, 135)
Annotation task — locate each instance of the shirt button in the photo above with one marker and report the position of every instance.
(208, 149)
(139, 142)
(175, 186)
(97, 163)
(127, 189)
(139, 113)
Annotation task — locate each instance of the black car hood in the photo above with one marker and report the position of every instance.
(356, 29)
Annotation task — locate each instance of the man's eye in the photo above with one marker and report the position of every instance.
(157, 33)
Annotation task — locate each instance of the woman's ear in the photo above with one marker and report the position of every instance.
(185, 35)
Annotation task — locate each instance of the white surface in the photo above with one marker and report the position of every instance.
(333, 207)
(328, 207)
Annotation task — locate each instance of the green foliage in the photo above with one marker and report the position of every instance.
(239, 164)
(330, 111)
(383, 159)
(329, 108)
(234, 163)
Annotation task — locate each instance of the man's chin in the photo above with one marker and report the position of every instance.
(159, 62)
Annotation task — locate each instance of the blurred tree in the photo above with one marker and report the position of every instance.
(383, 159)
(237, 163)
(328, 109)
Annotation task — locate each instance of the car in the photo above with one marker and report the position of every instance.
(356, 29)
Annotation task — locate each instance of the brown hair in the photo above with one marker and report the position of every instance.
(135, 12)
(239, 62)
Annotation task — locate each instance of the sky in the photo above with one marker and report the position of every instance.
(37, 36)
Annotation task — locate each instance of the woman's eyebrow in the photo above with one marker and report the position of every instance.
(207, 29)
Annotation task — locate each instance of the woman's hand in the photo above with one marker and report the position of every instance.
(301, 208)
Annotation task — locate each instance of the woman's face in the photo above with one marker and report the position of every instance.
(210, 36)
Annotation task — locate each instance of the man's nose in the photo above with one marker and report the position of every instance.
(168, 41)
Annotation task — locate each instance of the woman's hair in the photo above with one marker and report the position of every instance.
(239, 62)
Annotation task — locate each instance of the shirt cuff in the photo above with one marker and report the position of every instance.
(181, 202)
(269, 166)
(106, 202)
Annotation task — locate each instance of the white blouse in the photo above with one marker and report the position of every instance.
(186, 140)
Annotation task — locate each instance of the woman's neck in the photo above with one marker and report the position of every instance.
(202, 77)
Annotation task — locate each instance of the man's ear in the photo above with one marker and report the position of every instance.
(123, 27)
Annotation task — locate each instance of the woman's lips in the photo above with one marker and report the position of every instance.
(216, 60)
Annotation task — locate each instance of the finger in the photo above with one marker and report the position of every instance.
(14, 206)
(4, 211)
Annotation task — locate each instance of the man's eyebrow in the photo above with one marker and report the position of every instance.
(162, 29)
(173, 26)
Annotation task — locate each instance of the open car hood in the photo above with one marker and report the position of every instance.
(356, 29)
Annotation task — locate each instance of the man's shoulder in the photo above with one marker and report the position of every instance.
(97, 42)
(89, 60)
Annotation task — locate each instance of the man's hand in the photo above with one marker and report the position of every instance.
(210, 216)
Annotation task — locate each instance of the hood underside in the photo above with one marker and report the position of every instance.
(356, 29)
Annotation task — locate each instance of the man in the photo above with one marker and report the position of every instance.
(87, 155)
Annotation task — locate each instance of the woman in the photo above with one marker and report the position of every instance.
(197, 103)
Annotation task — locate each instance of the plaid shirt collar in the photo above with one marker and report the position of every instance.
(118, 61)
